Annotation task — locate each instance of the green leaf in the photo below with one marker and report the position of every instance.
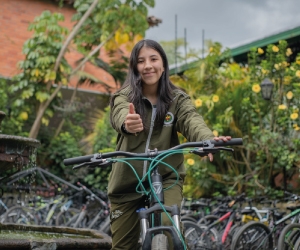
(41, 96)
(150, 3)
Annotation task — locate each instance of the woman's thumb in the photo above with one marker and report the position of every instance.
(131, 108)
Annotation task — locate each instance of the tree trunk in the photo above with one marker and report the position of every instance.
(34, 131)
(64, 119)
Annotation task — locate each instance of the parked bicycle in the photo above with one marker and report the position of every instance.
(257, 235)
(97, 219)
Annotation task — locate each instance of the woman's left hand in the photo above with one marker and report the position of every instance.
(223, 138)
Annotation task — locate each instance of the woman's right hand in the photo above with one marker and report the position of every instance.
(133, 122)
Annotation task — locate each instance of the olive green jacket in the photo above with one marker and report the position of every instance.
(181, 117)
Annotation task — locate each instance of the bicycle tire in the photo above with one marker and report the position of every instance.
(188, 218)
(19, 215)
(208, 219)
(288, 236)
(104, 227)
(294, 237)
(199, 236)
(159, 242)
(229, 238)
(63, 218)
(297, 244)
(253, 235)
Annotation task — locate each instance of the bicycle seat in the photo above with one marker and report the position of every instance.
(279, 215)
(293, 208)
(247, 211)
(196, 206)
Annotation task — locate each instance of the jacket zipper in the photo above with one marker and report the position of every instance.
(148, 140)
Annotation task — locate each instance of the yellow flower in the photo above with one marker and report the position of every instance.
(282, 106)
(215, 98)
(121, 38)
(216, 133)
(256, 88)
(264, 71)
(198, 103)
(276, 66)
(211, 49)
(287, 80)
(24, 116)
(284, 64)
(298, 60)
(289, 95)
(275, 48)
(288, 52)
(260, 51)
(296, 127)
(190, 161)
(294, 116)
(298, 73)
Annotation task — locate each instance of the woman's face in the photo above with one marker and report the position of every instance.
(150, 66)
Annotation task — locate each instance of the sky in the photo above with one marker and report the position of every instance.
(229, 22)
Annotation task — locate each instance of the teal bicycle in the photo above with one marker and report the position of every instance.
(153, 232)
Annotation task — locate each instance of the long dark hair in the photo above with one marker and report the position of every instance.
(133, 80)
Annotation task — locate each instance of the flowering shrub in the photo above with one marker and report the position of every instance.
(228, 96)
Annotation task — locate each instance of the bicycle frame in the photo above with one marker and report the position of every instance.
(273, 225)
(259, 212)
(287, 217)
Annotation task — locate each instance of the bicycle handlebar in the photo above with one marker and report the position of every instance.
(207, 144)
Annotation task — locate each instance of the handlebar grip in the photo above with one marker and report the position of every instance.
(78, 160)
(232, 142)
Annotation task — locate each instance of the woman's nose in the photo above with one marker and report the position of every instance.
(148, 64)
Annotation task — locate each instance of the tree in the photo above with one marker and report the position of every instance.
(43, 76)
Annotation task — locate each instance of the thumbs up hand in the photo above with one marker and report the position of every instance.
(131, 108)
(133, 122)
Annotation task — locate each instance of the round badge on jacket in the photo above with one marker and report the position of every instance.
(169, 118)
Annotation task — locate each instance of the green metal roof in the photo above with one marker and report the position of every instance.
(288, 35)
(285, 35)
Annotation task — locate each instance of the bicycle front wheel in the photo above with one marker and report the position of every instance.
(159, 242)
(20, 215)
(253, 235)
(288, 237)
(67, 218)
(199, 236)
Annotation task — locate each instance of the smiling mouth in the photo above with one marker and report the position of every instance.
(148, 74)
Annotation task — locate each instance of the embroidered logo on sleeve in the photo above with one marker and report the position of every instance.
(169, 118)
(116, 214)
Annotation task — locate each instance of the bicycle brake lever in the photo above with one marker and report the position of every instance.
(100, 163)
(203, 151)
(206, 151)
(80, 165)
(226, 149)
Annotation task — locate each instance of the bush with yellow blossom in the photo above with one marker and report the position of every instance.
(232, 104)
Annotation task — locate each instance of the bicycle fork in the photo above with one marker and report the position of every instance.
(157, 208)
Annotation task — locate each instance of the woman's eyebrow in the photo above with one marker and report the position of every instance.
(141, 57)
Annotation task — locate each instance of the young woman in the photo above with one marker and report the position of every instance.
(148, 112)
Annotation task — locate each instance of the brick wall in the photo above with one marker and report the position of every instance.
(15, 16)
